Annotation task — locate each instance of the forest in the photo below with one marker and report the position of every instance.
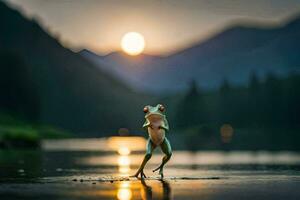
(263, 115)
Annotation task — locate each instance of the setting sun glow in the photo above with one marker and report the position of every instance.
(133, 43)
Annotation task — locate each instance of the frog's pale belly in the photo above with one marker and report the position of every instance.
(157, 135)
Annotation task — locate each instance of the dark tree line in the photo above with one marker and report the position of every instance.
(268, 109)
(271, 103)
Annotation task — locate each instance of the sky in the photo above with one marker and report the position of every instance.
(167, 25)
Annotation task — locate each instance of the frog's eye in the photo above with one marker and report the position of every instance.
(161, 108)
(146, 109)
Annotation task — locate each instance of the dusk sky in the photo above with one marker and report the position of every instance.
(166, 25)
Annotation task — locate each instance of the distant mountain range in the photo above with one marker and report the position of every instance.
(232, 54)
(41, 80)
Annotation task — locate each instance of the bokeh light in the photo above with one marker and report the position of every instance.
(226, 131)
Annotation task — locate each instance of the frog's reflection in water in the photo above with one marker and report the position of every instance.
(141, 190)
(162, 192)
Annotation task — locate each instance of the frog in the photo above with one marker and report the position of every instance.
(156, 125)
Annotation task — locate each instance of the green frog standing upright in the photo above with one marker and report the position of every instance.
(156, 125)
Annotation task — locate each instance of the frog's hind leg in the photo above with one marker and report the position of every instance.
(166, 148)
(149, 150)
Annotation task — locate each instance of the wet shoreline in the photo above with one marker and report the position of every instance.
(97, 174)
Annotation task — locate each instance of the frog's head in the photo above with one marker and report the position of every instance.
(154, 112)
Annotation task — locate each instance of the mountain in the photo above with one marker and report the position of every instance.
(232, 54)
(42, 81)
(122, 66)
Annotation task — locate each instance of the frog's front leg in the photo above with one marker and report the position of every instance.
(166, 148)
(149, 149)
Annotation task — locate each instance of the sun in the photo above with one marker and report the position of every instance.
(133, 43)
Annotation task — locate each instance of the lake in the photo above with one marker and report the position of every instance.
(99, 169)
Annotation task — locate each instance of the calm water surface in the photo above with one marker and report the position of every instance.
(71, 169)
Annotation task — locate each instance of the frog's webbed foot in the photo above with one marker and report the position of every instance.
(135, 175)
(161, 171)
(143, 175)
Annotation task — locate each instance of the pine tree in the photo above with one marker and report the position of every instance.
(191, 110)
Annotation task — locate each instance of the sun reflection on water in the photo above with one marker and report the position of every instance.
(124, 150)
(124, 160)
(124, 191)
(124, 146)
(124, 165)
